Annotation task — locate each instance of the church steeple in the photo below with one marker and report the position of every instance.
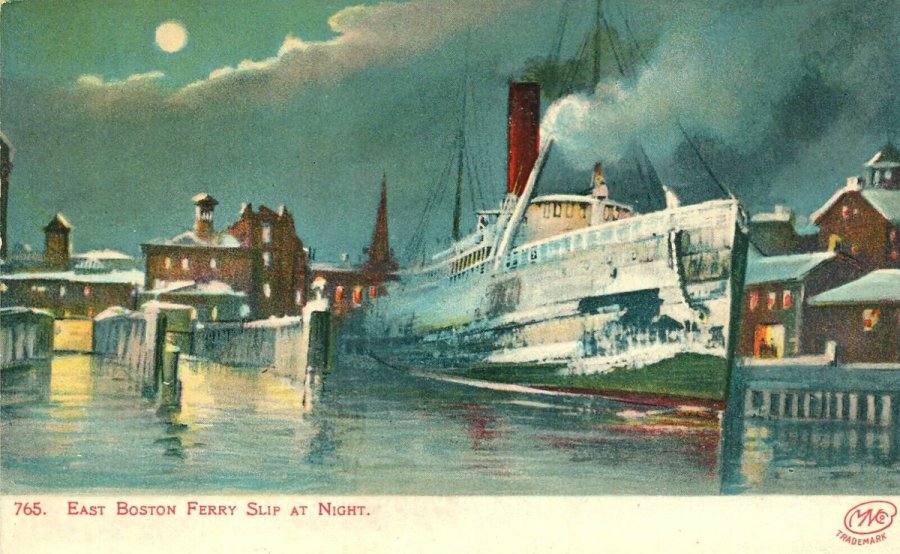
(381, 257)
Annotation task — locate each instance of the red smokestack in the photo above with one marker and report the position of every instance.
(524, 133)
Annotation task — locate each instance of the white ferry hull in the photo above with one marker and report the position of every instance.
(620, 295)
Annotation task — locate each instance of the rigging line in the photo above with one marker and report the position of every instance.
(612, 45)
(575, 68)
(725, 190)
(561, 30)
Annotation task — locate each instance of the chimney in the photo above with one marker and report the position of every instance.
(600, 191)
(524, 133)
(203, 222)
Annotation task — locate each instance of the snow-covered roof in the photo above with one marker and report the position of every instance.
(882, 285)
(131, 277)
(212, 288)
(91, 264)
(806, 230)
(189, 238)
(170, 286)
(887, 202)
(10, 310)
(563, 198)
(103, 254)
(888, 156)
(766, 269)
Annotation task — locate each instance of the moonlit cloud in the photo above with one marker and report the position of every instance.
(387, 33)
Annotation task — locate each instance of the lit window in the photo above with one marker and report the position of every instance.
(870, 318)
(786, 299)
(338, 294)
(854, 250)
(267, 259)
(357, 296)
(267, 290)
(845, 212)
(267, 233)
(372, 292)
(167, 263)
(62, 291)
(754, 300)
(895, 255)
(87, 291)
(214, 314)
(213, 264)
(893, 235)
(298, 297)
(185, 263)
(770, 301)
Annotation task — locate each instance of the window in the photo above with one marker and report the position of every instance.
(845, 212)
(569, 210)
(214, 314)
(167, 263)
(557, 209)
(185, 263)
(770, 301)
(87, 291)
(834, 243)
(267, 290)
(893, 235)
(357, 296)
(754, 300)
(266, 233)
(213, 264)
(298, 297)
(62, 291)
(787, 299)
(372, 292)
(267, 259)
(338, 294)
(870, 319)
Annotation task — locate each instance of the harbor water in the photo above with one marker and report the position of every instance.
(79, 423)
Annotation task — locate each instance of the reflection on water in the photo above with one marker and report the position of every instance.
(83, 424)
(836, 435)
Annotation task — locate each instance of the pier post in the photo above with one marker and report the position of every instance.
(886, 410)
(806, 400)
(870, 408)
(839, 405)
(853, 407)
(782, 399)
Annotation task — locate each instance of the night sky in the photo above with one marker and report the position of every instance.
(308, 103)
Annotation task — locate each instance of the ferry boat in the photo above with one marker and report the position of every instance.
(574, 284)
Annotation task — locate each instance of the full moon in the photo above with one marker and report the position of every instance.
(171, 36)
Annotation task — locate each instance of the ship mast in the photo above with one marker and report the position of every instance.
(461, 140)
(596, 68)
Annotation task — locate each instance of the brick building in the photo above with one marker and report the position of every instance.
(349, 287)
(863, 218)
(67, 285)
(862, 317)
(259, 255)
(777, 290)
(72, 294)
(777, 233)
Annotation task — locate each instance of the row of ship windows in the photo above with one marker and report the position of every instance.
(555, 209)
(644, 251)
(213, 263)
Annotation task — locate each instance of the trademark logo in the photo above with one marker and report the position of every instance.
(866, 522)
